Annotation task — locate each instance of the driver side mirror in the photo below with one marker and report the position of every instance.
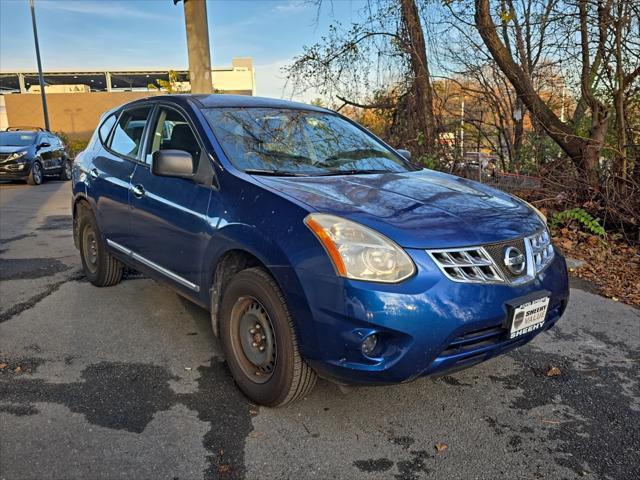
(405, 153)
(44, 145)
(172, 163)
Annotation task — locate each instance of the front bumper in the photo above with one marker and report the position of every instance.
(14, 170)
(427, 325)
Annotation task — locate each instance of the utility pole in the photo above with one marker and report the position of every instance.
(40, 76)
(195, 19)
(462, 129)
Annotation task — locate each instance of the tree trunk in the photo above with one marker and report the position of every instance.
(425, 119)
(583, 153)
(621, 130)
(592, 149)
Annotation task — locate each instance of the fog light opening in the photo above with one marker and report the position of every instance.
(369, 344)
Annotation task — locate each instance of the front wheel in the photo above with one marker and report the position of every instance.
(259, 341)
(36, 175)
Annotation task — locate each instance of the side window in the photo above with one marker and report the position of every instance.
(105, 128)
(127, 134)
(172, 132)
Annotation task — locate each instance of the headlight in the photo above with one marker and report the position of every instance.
(358, 252)
(542, 216)
(17, 155)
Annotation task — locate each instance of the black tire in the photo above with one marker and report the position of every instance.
(36, 175)
(253, 294)
(101, 268)
(65, 173)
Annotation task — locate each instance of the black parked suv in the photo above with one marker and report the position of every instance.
(32, 154)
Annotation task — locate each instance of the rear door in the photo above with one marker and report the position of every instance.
(169, 215)
(56, 152)
(44, 149)
(110, 172)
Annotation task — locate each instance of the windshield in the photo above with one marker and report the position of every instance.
(299, 142)
(16, 139)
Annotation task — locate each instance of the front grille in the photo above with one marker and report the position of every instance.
(474, 340)
(471, 265)
(496, 251)
(486, 263)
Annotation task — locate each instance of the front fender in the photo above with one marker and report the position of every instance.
(278, 260)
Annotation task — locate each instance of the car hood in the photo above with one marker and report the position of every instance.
(423, 209)
(12, 148)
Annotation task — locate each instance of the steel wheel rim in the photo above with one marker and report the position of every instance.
(90, 249)
(253, 339)
(37, 173)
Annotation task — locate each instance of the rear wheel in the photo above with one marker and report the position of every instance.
(65, 173)
(36, 176)
(101, 268)
(259, 341)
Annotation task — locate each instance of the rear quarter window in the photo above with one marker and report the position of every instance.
(126, 137)
(105, 128)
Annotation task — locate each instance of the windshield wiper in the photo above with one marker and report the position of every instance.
(354, 171)
(274, 173)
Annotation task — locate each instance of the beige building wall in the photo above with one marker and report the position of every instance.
(60, 89)
(240, 78)
(4, 121)
(75, 114)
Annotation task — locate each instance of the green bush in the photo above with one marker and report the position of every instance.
(429, 161)
(580, 216)
(73, 146)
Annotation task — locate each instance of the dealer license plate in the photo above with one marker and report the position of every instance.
(528, 317)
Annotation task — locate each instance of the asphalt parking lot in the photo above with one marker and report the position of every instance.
(128, 382)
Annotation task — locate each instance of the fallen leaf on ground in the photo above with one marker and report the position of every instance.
(3, 366)
(255, 434)
(253, 412)
(565, 244)
(553, 372)
(18, 369)
(552, 422)
(441, 447)
(188, 369)
(224, 468)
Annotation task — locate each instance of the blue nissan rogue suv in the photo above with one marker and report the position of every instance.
(318, 249)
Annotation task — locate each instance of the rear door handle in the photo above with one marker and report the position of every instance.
(138, 191)
(94, 173)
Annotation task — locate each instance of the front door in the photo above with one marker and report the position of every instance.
(169, 215)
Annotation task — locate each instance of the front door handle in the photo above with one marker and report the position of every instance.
(138, 191)
(94, 173)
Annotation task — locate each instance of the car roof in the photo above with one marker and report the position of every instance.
(223, 100)
(25, 131)
(246, 101)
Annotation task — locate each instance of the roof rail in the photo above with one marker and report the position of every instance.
(25, 127)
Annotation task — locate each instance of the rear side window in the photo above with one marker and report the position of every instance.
(127, 135)
(105, 128)
(53, 140)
